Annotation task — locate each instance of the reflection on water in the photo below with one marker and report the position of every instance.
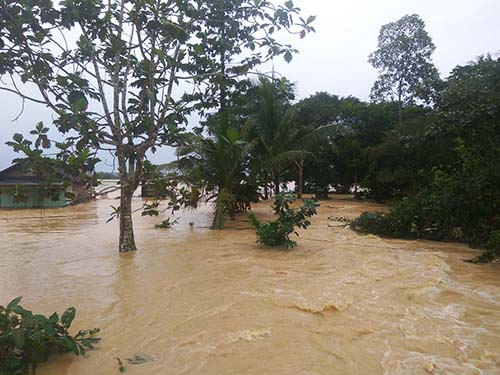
(207, 302)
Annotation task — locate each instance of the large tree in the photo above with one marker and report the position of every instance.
(403, 58)
(112, 71)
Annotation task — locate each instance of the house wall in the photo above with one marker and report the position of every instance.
(33, 201)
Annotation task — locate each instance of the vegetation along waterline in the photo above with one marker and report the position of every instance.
(354, 235)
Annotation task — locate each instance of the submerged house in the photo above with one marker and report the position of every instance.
(20, 188)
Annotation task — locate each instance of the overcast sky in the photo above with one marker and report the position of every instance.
(334, 59)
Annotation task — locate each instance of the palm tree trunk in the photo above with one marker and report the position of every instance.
(266, 186)
(127, 240)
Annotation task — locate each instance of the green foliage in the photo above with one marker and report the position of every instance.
(218, 165)
(19, 195)
(283, 144)
(463, 206)
(166, 224)
(341, 157)
(492, 252)
(459, 200)
(147, 49)
(401, 223)
(28, 339)
(177, 192)
(403, 58)
(71, 167)
(277, 232)
(150, 209)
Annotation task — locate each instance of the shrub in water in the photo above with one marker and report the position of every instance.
(27, 339)
(166, 224)
(277, 233)
(492, 252)
(435, 215)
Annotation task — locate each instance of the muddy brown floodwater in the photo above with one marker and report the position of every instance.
(205, 302)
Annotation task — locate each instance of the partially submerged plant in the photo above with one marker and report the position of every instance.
(27, 339)
(277, 232)
(166, 224)
(492, 252)
(121, 368)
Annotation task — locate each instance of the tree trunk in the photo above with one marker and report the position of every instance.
(127, 241)
(276, 181)
(266, 186)
(400, 104)
(356, 181)
(300, 182)
(218, 221)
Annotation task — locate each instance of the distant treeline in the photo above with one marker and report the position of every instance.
(107, 175)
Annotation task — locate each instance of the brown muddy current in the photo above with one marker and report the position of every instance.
(204, 302)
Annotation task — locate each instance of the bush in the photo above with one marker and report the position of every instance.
(451, 208)
(277, 233)
(492, 252)
(416, 217)
(27, 339)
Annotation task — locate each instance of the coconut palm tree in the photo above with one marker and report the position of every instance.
(219, 163)
(281, 142)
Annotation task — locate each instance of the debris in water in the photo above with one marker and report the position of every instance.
(139, 359)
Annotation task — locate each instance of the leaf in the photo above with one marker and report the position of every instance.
(19, 338)
(68, 316)
(18, 137)
(14, 302)
(232, 135)
(19, 309)
(71, 344)
(78, 101)
(160, 54)
(288, 56)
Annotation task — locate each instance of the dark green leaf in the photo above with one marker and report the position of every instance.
(19, 338)
(68, 316)
(14, 302)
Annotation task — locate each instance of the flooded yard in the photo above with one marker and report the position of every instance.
(214, 303)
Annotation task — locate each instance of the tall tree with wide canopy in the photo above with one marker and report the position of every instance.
(111, 71)
(403, 58)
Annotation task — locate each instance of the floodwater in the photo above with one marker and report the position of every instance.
(214, 303)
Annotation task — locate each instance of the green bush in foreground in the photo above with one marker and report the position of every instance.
(27, 339)
(277, 233)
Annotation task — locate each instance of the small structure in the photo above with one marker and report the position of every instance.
(20, 188)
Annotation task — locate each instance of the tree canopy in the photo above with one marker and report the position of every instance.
(113, 71)
(403, 58)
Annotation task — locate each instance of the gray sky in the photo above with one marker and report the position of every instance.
(334, 59)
